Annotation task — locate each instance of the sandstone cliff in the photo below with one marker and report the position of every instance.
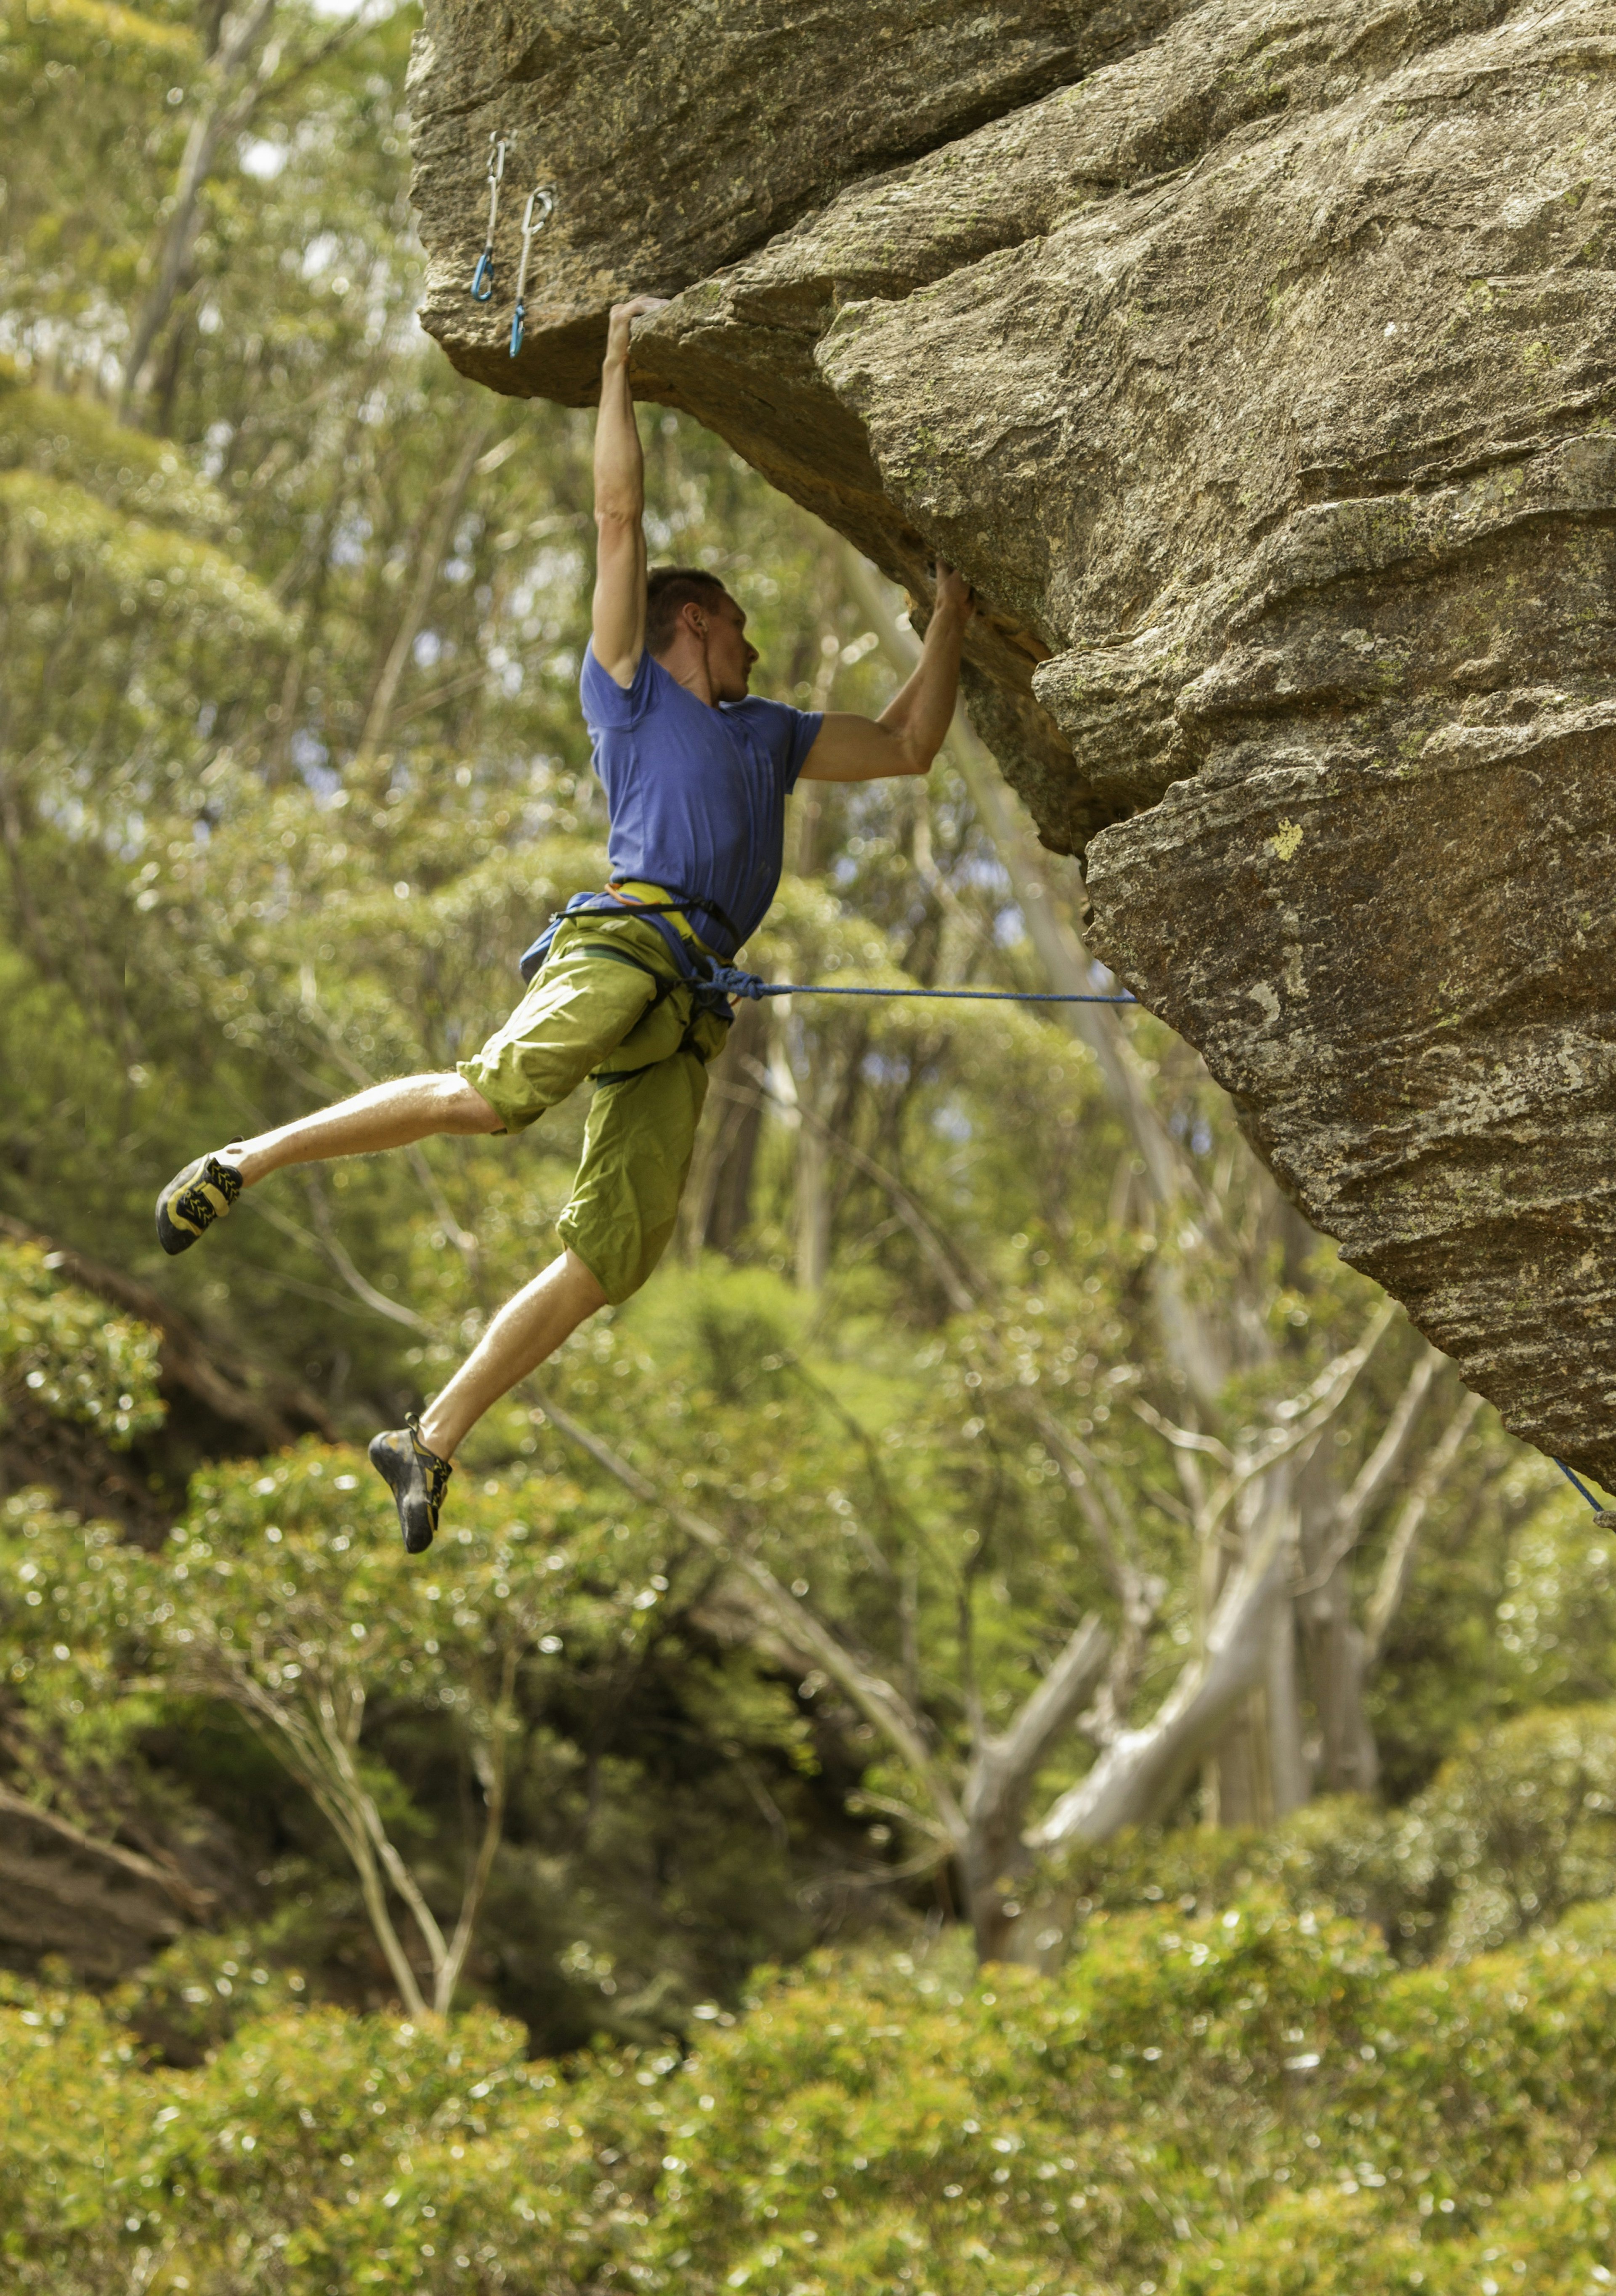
(1255, 363)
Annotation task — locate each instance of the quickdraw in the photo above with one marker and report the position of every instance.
(543, 198)
(482, 278)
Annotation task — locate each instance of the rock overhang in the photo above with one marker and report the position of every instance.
(1255, 366)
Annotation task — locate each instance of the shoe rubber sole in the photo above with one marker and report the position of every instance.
(193, 1198)
(417, 1479)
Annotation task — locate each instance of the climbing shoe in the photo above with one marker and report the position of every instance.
(194, 1200)
(417, 1479)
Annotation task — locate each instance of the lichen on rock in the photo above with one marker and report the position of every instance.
(1255, 366)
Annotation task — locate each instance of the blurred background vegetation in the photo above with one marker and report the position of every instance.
(1001, 1530)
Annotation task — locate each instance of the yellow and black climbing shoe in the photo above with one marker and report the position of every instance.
(417, 1479)
(194, 1200)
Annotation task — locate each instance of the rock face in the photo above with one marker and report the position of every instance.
(1256, 365)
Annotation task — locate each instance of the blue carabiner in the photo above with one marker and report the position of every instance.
(540, 208)
(482, 278)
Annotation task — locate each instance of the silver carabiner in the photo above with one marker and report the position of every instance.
(482, 278)
(543, 197)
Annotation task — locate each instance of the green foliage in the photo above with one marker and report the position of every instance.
(220, 902)
(1252, 2101)
(78, 443)
(1517, 1827)
(651, 1781)
(1522, 1822)
(64, 1351)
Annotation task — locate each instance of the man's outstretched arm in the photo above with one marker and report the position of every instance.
(912, 728)
(618, 630)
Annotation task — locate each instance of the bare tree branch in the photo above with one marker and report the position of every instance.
(882, 1705)
(226, 110)
(223, 115)
(1398, 1567)
(1137, 1773)
(1307, 1416)
(490, 1765)
(1384, 1463)
(331, 1251)
(439, 533)
(1003, 1768)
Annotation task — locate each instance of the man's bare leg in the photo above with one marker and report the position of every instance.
(527, 1329)
(382, 1116)
(413, 1461)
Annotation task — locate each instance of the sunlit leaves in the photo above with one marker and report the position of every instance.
(1252, 2100)
(74, 440)
(64, 1351)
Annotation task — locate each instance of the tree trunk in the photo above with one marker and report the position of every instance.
(223, 117)
(726, 1202)
(813, 1210)
(440, 535)
(1290, 1780)
(1349, 1760)
(1139, 1772)
(1234, 1775)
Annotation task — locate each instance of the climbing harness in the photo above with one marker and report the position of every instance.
(714, 984)
(545, 192)
(696, 968)
(482, 278)
(1604, 1518)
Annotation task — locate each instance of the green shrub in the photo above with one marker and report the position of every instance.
(1552, 2240)
(1524, 1819)
(1254, 2100)
(1516, 1828)
(64, 1349)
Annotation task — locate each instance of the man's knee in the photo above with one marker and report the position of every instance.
(587, 1294)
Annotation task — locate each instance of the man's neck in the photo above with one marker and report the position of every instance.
(688, 669)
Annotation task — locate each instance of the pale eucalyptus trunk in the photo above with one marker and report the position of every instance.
(1287, 1649)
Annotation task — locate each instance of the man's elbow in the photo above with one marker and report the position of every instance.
(917, 758)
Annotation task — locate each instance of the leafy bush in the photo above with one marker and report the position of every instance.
(61, 1346)
(1516, 1828)
(1524, 1819)
(1253, 2101)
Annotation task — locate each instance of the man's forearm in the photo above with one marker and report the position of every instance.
(921, 712)
(619, 466)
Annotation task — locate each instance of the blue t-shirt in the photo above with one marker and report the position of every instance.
(696, 795)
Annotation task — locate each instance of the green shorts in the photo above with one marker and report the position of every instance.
(590, 1013)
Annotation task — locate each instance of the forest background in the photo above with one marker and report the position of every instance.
(1002, 1533)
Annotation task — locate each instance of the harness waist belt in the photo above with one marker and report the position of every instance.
(698, 968)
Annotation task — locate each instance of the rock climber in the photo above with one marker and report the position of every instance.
(696, 772)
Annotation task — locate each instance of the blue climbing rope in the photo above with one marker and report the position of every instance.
(1604, 1516)
(714, 983)
(729, 981)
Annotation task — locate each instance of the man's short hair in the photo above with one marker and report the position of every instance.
(668, 590)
